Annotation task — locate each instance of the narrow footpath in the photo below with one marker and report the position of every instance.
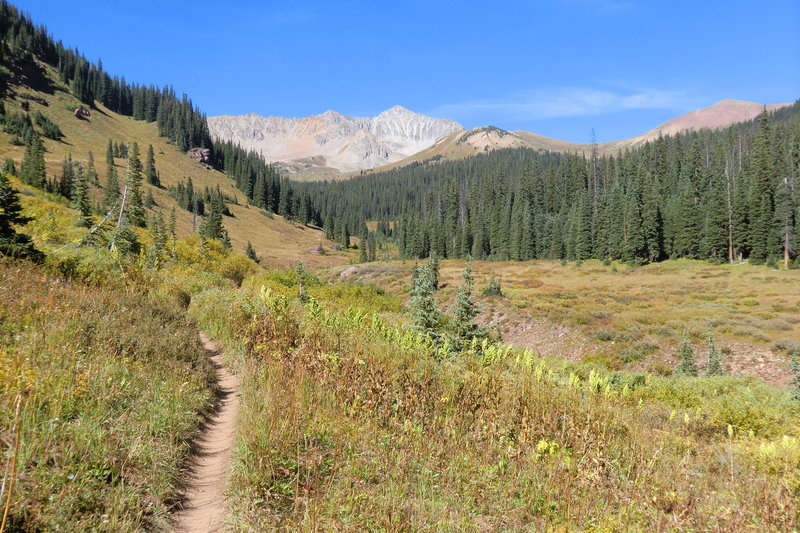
(203, 509)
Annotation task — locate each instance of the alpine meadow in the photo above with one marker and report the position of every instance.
(392, 321)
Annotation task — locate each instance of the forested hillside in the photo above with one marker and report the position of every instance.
(719, 195)
(88, 153)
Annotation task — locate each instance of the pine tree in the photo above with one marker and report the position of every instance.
(465, 310)
(80, 198)
(423, 306)
(32, 169)
(171, 231)
(686, 359)
(433, 269)
(134, 179)
(157, 250)
(150, 172)
(714, 357)
(250, 252)
(13, 243)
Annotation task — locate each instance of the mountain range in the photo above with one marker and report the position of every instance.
(332, 141)
(332, 144)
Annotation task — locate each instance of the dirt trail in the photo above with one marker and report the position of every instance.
(203, 508)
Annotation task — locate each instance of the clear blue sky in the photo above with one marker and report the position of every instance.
(557, 68)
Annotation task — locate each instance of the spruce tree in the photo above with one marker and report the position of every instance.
(134, 179)
(13, 243)
(80, 198)
(423, 306)
(32, 169)
(762, 196)
(65, 184)
(433, 269)
(171, 231)
(794, 364)
(250, 252)
(212, 227)
(91, 172)
(714, 367)
(362, 245)
(111, 192)
(465, 310)
(159, 246)
(686, 359)
(150, 172)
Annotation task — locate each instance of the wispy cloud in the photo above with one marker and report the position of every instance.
(559, 102)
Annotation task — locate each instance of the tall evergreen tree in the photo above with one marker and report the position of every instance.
(32, 169)
(762, 196)
(134, 181)
(150, 172)
(12, 242)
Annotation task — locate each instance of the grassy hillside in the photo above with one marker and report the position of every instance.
(275, 241)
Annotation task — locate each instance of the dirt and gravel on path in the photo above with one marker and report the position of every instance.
(203, 507)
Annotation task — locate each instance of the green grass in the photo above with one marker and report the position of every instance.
(111, 383)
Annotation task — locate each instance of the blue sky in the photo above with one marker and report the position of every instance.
(558, 68)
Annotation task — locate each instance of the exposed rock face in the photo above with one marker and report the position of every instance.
(201, 155)
(334, 140)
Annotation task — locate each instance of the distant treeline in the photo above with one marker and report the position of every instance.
(719, 195)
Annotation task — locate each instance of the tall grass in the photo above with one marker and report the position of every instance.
(111, 384)
(349, 423)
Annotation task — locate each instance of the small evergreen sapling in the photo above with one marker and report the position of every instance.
(466, 311)
(433, 270)
(251, 252)
(714, 358)
(686, 359)
(423, 306)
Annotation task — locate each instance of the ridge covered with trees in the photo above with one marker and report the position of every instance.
(718, 195)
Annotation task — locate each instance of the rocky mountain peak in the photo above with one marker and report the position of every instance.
(334, 140)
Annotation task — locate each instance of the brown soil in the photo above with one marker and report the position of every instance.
(203, 508)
